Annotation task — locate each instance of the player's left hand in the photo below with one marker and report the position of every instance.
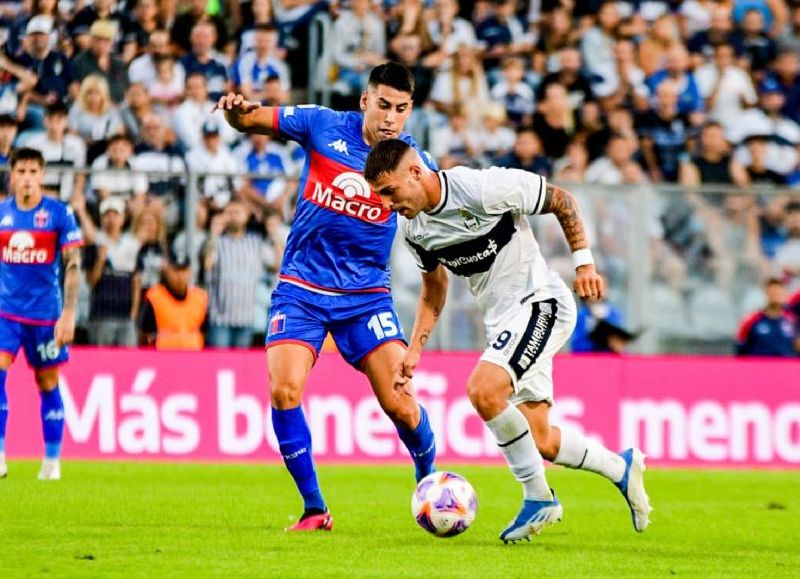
(588, 283)
(65, 329)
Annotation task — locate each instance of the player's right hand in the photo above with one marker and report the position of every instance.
(405, 371)
(236, 103)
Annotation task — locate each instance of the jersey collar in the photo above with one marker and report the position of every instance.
(445, 188)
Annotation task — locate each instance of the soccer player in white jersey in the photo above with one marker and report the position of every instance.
(475, 223)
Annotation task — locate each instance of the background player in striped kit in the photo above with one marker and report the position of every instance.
(335, 272)
(475, 224)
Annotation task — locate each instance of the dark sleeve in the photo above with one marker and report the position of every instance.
(425, 259)
(89, 256)
(147, 318)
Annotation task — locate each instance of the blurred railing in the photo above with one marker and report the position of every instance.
(683, 265)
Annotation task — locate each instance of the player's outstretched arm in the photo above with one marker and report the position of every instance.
(246, 116)
(431, 303)
(564, 205)
(65, 326)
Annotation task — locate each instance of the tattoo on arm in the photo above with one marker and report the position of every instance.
(564, 206)
(72, 278)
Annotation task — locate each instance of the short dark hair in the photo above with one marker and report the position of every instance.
(774, 280)
(7, 121)
(117, 138)
(56, 108)
(265, 27)
(26, 154)
(384, 158)
(393, 74)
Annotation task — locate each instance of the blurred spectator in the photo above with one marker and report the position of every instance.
(623, 81)
(99, 60)
(175, 312)
(772, 224)
(617, 167)
(152, 258)
(167, 88)
(8, 131)
(293, 18)
(63, 154)
(786, 75)
(217, 190)
(599, 328)
(714, 164)
(409, 52)
(664, 132)
(116, 173)
(663, 35)
(597, 45)
(143, 68)
(464, 85)
(514, 93)
(194, 112)
(447, 30)
(184, 25)
(93, 116)
(726, 88)
(234, 262)
(15, 84)
(452, 143)
(527, 154)
(720, 31)
(569, 75)
(110, 264)
(556, 32)
(202, 60)
(790, 39)
(262, 15)
(251, 70)
(156, 155)
(676, 69)
(757, 169)
(571, 168)
(787, 256)
(555, 121)
(80, 27)
(772, 331)
(56, 75)
(502, 34)
(494, 139)
(136, 36)
(359, 43)
(136, 107)
(180, 247)
(756, 49)
(772, 12)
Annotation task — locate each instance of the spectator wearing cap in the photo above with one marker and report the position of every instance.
(195, 110)
(771, 331)
(116, 174)
(202, 60)
(8, 132)
(754, 46)
(110, 264)
(56, 77)
(251, 70)
(726, 88)
(174, 312)
(359, 43)
(64, 154)
(212, 155)
(785, 75)
(99, 60)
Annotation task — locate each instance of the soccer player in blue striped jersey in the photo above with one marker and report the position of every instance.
(36, 234)
(335, 271)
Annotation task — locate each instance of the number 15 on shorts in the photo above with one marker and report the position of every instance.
(383, 325)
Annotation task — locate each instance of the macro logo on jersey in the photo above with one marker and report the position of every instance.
(28, 247)
(338, 188)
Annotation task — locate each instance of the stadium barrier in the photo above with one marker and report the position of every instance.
(213, 406)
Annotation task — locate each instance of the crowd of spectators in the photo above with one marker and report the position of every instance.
(594, 94)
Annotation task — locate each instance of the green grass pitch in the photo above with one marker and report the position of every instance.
(194, 520)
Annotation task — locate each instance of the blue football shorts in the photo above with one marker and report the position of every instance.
(38, 342)
(359, 323)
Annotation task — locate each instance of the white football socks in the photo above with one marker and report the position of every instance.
(583, 453)
(514, 438)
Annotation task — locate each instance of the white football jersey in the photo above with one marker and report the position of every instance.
(480, 230)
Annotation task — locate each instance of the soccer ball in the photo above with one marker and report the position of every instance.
(444, 504)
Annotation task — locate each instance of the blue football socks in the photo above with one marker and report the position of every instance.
(52, 411)
(3, 410)
(294, 439)
(420, 444)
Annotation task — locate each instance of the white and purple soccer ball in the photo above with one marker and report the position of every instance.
(444, 504)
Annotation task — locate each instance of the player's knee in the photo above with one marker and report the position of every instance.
(46, 381)
(486, 401)
(286, 394)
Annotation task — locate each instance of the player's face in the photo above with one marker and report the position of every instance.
(402, 190)
(26, 178)
(386, 111)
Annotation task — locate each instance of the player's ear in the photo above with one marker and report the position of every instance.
(362, 102)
